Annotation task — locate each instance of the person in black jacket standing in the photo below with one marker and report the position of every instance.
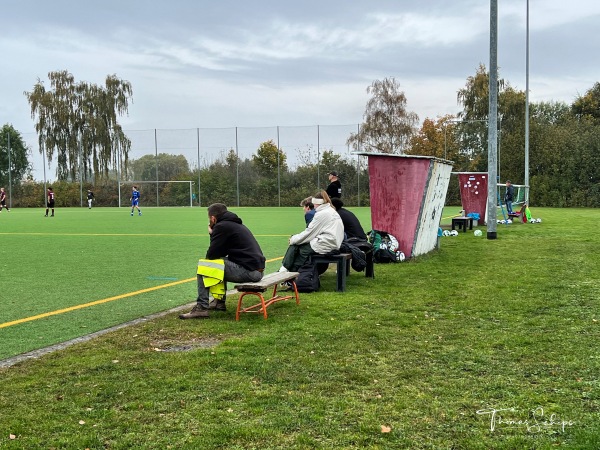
(334, 190)
(234, 243)
(509, 197)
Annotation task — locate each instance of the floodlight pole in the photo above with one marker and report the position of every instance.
(493, 122)
(527, 107)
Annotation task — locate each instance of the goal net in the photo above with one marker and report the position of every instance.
(158, 193)
(519, 196)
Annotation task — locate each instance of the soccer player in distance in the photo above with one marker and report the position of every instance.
(3, 200)
(49, 201)
(135, 200)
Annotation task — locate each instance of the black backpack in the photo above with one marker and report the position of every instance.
(308, 280)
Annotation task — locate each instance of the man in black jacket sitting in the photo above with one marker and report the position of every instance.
(234, 243)
(352, 226)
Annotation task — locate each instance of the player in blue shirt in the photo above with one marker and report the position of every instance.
(135, 200)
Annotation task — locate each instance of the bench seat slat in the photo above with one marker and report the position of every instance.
(267, 281)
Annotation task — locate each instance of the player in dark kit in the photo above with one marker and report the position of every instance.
(3, 200)
(90, 198)
(50, 202)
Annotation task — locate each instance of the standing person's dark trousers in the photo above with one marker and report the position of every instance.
(233, 272)
(509, 209)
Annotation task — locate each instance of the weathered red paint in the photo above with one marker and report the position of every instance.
(474, 193)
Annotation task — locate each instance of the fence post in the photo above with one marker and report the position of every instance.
(198, 143)
(237, 167)
(156, 156)
(278, 170)
(9, 178)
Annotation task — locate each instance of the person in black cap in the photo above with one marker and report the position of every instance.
(334, 190)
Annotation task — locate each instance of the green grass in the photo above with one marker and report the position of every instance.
(479, 324)
(82, 256)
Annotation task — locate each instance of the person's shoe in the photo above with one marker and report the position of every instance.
(217, 305)
(286, 286)
(196, 313)
(139, 214)
(131, 214)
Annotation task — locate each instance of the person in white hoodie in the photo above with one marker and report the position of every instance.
(324, 234)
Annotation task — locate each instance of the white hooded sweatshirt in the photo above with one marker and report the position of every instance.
(325, 232)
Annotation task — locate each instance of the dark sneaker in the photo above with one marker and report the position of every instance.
(196, 313)
(217, 305)
(286, 286)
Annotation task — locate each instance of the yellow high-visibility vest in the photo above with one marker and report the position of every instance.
(213, 274)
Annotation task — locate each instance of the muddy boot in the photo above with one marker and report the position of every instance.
(197, 312)
(217, 305)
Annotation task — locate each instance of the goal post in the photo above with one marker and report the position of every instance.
(158, 193)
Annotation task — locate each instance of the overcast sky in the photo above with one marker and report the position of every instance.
(197, 63)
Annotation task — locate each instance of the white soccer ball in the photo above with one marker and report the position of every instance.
(477, 233)
(446, 233)
(454, 233)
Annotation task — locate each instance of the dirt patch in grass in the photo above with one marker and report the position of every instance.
(185, 345)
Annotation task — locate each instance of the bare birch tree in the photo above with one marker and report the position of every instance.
(388, 126)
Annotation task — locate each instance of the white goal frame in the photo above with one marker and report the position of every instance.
(134, 183)
(520, 195)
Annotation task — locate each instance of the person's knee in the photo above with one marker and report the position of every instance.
(255, 276)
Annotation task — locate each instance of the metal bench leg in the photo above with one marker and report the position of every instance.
(369, 270)
(262, 303)
(341, 274)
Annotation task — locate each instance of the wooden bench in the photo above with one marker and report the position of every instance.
(257, 289)
(342, 260)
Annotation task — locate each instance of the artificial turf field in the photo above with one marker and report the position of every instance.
(85, 270)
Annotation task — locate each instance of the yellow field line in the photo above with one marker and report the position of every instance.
(104, 300)
(97, 302)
